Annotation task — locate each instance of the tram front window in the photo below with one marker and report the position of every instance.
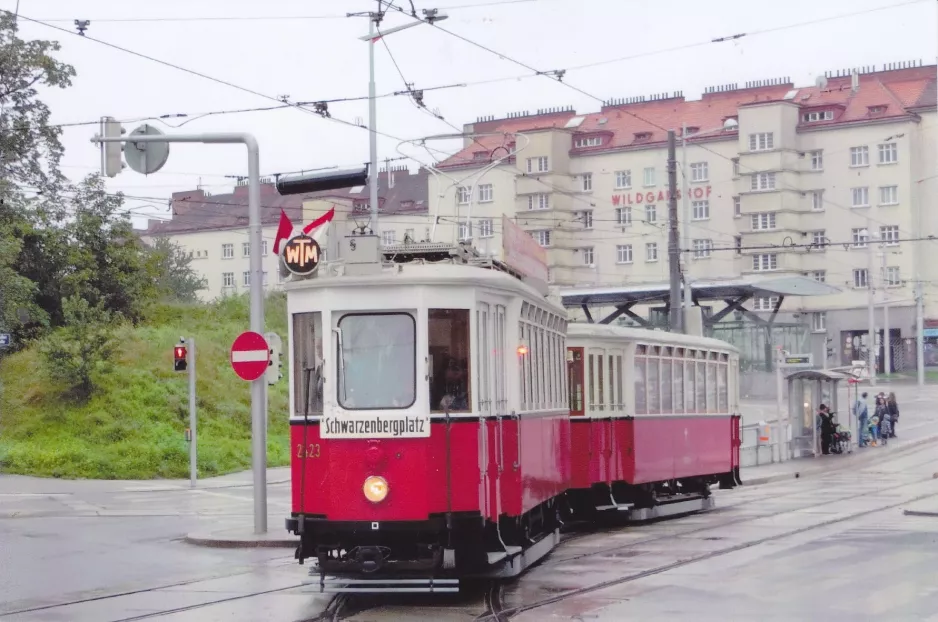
(377, 361)
(449, 360)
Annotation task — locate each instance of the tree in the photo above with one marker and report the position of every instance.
(76, 354)
(175, 278)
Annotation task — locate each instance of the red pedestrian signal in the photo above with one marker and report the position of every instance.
(180, 356)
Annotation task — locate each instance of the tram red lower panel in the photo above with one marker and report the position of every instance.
(521, 472)
(651, 449)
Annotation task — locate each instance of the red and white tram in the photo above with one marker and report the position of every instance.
(446, 417)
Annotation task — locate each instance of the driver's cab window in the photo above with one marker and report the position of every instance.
(449, 363)
(307, 363)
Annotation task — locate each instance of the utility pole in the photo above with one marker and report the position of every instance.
(374, 20)
(920, 332)
(871, 343)
(674, 250)
(887, 344)
(685, 216)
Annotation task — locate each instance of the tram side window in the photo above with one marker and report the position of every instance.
(307, 363)
(679, 383)
(711, 387)
(690, 379)
(641, 403)
(448, 331)
(701, 384)
(377, 361)
(667, 405)
(575, 374)
(723, 390)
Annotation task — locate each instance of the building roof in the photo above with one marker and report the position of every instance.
(195, 210)
(702, 290)
(637, 122)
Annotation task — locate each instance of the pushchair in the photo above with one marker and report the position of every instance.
(840, 443)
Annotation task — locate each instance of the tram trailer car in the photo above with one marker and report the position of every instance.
(419, 447)
(654, 420)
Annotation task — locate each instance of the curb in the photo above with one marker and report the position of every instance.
(815, 470)
(249, 541)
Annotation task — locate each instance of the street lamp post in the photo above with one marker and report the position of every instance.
(869, 234)
(431, 16)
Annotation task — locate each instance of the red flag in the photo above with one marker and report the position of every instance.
(327, 217)
(284, 229)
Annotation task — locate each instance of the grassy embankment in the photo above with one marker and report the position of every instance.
(133, 426)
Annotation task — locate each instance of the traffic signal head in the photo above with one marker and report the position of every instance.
(113, 152)
(180, 358)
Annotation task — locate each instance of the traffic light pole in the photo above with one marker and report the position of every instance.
(259, 386)
(193, 447)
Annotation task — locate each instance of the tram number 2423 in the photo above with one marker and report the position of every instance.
(312, 451)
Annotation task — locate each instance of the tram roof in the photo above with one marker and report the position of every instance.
(702, 290)
(583, 330)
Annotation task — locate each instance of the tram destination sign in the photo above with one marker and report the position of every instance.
(384, 426)
(301, 255)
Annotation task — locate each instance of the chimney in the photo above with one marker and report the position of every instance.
(854, 81)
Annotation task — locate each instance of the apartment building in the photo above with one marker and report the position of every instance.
(780, 179)
(213, 228)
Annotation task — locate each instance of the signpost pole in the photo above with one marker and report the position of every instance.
(779, 381)
(193, 450)
(258, 387)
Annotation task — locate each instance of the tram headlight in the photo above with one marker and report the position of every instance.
(375, 488)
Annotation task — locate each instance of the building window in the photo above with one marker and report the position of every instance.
(227, 251)
(761, 142)
(860, 156)
(765, 262)
(860, 279)
(889, 234)
(702, 248)
(859, 238)
(246, 278)
(587, 182)
(589, 141)
(701, 210)
(538, 201)
(817, 160)
(738, 244)
(819, 239)
(465, 231)
(892, 276)
(817, 201)
(387, 238)
(485, 193)
(651, 213)
(737, 207)
(735, 167)
(818, 115)
(486, 229)
(587, 256)
(649, 176)
(762, 181)
(462, 195)
(281, 277)
(624, 216)
(819, 322)
(699, 171)
(860, 196)
(538, 164)
(764, 303)
(889, 195)
(623, 180)
(888, 153)
(245, 249)
(651, 251)
(624, 253)
(227, 279)
(586, 217)
(264, 248)
(409, 236)
(763, 221)
(818, 275)
(265, 279)
(542, 237)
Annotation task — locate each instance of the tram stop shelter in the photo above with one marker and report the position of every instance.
(733, 293)
(807, 390)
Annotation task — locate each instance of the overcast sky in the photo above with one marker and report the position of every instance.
(308, 50)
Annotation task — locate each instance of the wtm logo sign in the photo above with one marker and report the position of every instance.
(301, 255)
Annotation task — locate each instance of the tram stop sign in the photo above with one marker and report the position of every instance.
(250, 355)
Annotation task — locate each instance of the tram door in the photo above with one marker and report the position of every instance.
(599, 410)
(484, 381)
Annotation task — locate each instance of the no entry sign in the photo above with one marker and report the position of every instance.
(250, 355)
